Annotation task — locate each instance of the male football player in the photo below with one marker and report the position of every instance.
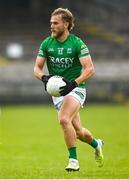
(68, 56)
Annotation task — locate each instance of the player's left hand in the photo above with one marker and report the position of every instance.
(45, 79)
(68, 87)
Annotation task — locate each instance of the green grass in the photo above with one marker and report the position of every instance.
(33, 146)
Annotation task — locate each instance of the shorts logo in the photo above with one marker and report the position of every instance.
(79, 94)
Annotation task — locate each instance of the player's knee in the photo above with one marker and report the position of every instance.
(64, 120)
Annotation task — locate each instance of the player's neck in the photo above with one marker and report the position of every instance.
(63, 37)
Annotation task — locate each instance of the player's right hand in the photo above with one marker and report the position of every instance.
(45, 79)
(64, 90)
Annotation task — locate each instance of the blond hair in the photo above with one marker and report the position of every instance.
(66, 16)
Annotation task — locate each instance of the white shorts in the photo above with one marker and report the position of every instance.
(77, 93)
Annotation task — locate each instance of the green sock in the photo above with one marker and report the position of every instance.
(94, 143)
(72, 153)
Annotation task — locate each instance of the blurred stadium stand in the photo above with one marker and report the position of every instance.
(102, 24)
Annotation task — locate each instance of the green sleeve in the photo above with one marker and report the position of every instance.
(42, 50)
(82, 49)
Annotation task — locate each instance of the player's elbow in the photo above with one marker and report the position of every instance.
(92, 71)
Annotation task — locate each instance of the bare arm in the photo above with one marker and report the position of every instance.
(39, 64)
(88, 71)
(86, 74)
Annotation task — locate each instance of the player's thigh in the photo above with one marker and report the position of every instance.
(69, 108)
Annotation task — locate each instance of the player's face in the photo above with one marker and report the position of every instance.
(58, 26)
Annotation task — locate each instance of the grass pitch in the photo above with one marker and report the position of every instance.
(32, 144)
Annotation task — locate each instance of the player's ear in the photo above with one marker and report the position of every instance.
(66, 24)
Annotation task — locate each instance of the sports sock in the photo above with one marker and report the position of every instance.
(94, 143)
(72, 153)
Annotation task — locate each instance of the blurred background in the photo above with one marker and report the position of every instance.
(102, 24)
(30, 138)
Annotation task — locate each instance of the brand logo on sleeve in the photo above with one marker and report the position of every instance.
(41, 52)
(84, 51)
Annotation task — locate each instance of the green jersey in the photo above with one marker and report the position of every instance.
(63, 57)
